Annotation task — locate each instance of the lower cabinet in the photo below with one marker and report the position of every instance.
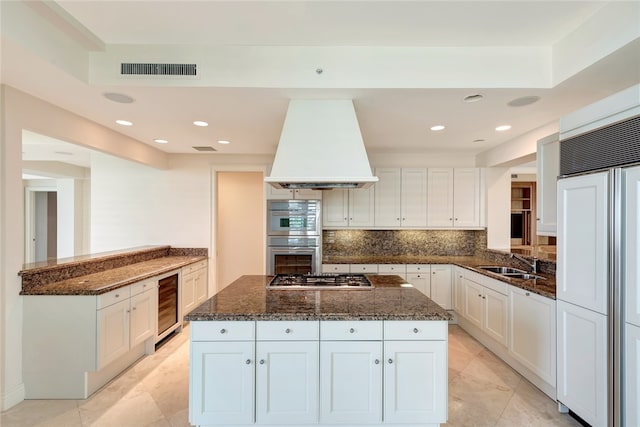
(310, 372)
(193, 286)
(458, 289)
(433, 280)
(486, 309)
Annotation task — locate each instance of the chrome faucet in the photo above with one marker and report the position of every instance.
(532, 264)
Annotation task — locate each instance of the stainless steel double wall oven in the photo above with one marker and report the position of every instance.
(293, 236)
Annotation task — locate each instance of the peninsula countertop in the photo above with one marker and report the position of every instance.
(248, 298)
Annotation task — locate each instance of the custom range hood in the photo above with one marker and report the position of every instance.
(321, 148)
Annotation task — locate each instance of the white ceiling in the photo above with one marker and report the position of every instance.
(393, 118)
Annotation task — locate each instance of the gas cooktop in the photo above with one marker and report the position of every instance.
(320, 281)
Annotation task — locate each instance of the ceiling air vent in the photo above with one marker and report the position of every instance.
(204, 148)
(158, 69)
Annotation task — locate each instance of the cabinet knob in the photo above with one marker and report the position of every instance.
(133, 308)
(117, 295)
(415, 330)
(390, 361)
(248, 361)
(352, 330)
(288, 331)
(527, 293)
(223, 331)
(433, 272)
(480, 295)
(484, 297)
(262, 361)
(450, 219)
(350, 219)
(377, 361)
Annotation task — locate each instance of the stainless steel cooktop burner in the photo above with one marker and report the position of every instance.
(321, 281)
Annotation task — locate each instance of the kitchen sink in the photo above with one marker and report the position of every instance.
(524, 276)
(501, 270)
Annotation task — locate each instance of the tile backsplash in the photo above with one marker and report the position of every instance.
(402, 242)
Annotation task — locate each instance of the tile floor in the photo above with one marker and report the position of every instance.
(483, 391)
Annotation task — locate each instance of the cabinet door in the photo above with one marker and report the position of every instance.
(361, 210)
(466, 197)
(495, 315)
(414, 197)
(548, 168)
(582, 362)
(632, 245)
(473, 305)
(415, 382)
(440, 197)
(144, 316)
(201, 285)
(582, 241)
(287, 382)
(458, 290)
(222, 379)
(188, 292)
(532, 332)
(307, 194)
(278, 193)
(387, 197)
(441, 285)
(113, 332)
(421, 281)
(632, 375)
(351, 382)
(335, 208)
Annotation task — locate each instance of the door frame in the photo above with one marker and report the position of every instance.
(30, 218)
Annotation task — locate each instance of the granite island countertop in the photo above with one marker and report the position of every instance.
(248, 298)
(545, 287)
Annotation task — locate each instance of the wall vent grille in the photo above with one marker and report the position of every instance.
(204, 148)
(158, 69)
(610, 146)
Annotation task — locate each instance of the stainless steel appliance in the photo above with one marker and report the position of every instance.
(168, 306)
(598, 254)
(293, 237)
(322, 281)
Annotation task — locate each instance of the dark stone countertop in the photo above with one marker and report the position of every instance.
(249, 299)
(546, 287)
(114, 278)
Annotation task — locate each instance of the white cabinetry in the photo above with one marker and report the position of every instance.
(401, 197)
(282, 194)
(458, 290)
(397, 269)
(632, 245)
(387, 197)
(453, 197)
(193, 286)
(548, 169)
(433, 280)
(335, 268)
(532, 332)
(348, 208)
(632, 375)
(582, 362)
(486, 305)
(419, 275)
(364, 268)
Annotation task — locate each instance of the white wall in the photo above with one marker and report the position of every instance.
(498, 208)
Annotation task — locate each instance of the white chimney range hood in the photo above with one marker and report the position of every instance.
(321, 147)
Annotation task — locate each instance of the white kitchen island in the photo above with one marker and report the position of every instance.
(373, 357)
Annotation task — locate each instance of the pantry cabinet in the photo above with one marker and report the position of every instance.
(548, 169)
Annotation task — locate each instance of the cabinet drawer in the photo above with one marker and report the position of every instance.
(113, 297)
(392, 269)
(418, 268)
(335, 268)
(222, 331)
(283, 330)
(364, 268)
(193, 267)
(425, 330)
(351, 330)
(488, 282)
(140, 287)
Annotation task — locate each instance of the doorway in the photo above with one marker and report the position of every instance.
(41, 219)
(240, 235)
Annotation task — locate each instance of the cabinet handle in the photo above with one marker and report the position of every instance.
(248, 361)
(352, 330)
(133, 308)
(433, 272)
(456, 219)
(377, 361)
(223, 331)
(128, 311)
(287, 331)
(480, 295)
(484, 297)
(527, 293)
(117, 295)
(390, 361)
(415, 330)
(262, 361)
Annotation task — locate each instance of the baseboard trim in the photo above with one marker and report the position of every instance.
(13, 397)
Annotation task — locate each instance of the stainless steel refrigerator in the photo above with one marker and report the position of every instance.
(598, 307)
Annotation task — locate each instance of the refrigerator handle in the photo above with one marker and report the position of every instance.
(615, 309)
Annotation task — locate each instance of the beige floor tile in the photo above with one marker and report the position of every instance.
(43, 413)
(487, 367)
(475, 402)
(133, 410)
(460, 340)
(458, 359)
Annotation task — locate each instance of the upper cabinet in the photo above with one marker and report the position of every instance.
(548, 169)
(348, 208)
(282, 194)
(401, 197)
(453, 197)
(387, 197)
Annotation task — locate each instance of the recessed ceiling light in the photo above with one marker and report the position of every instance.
(223, 141)
(478, 140)
(200, 123)
(437, 128)
(161, 141)
(503, 128)
(118, 97)
(124, 122)
(473, 98)
(521, 102)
